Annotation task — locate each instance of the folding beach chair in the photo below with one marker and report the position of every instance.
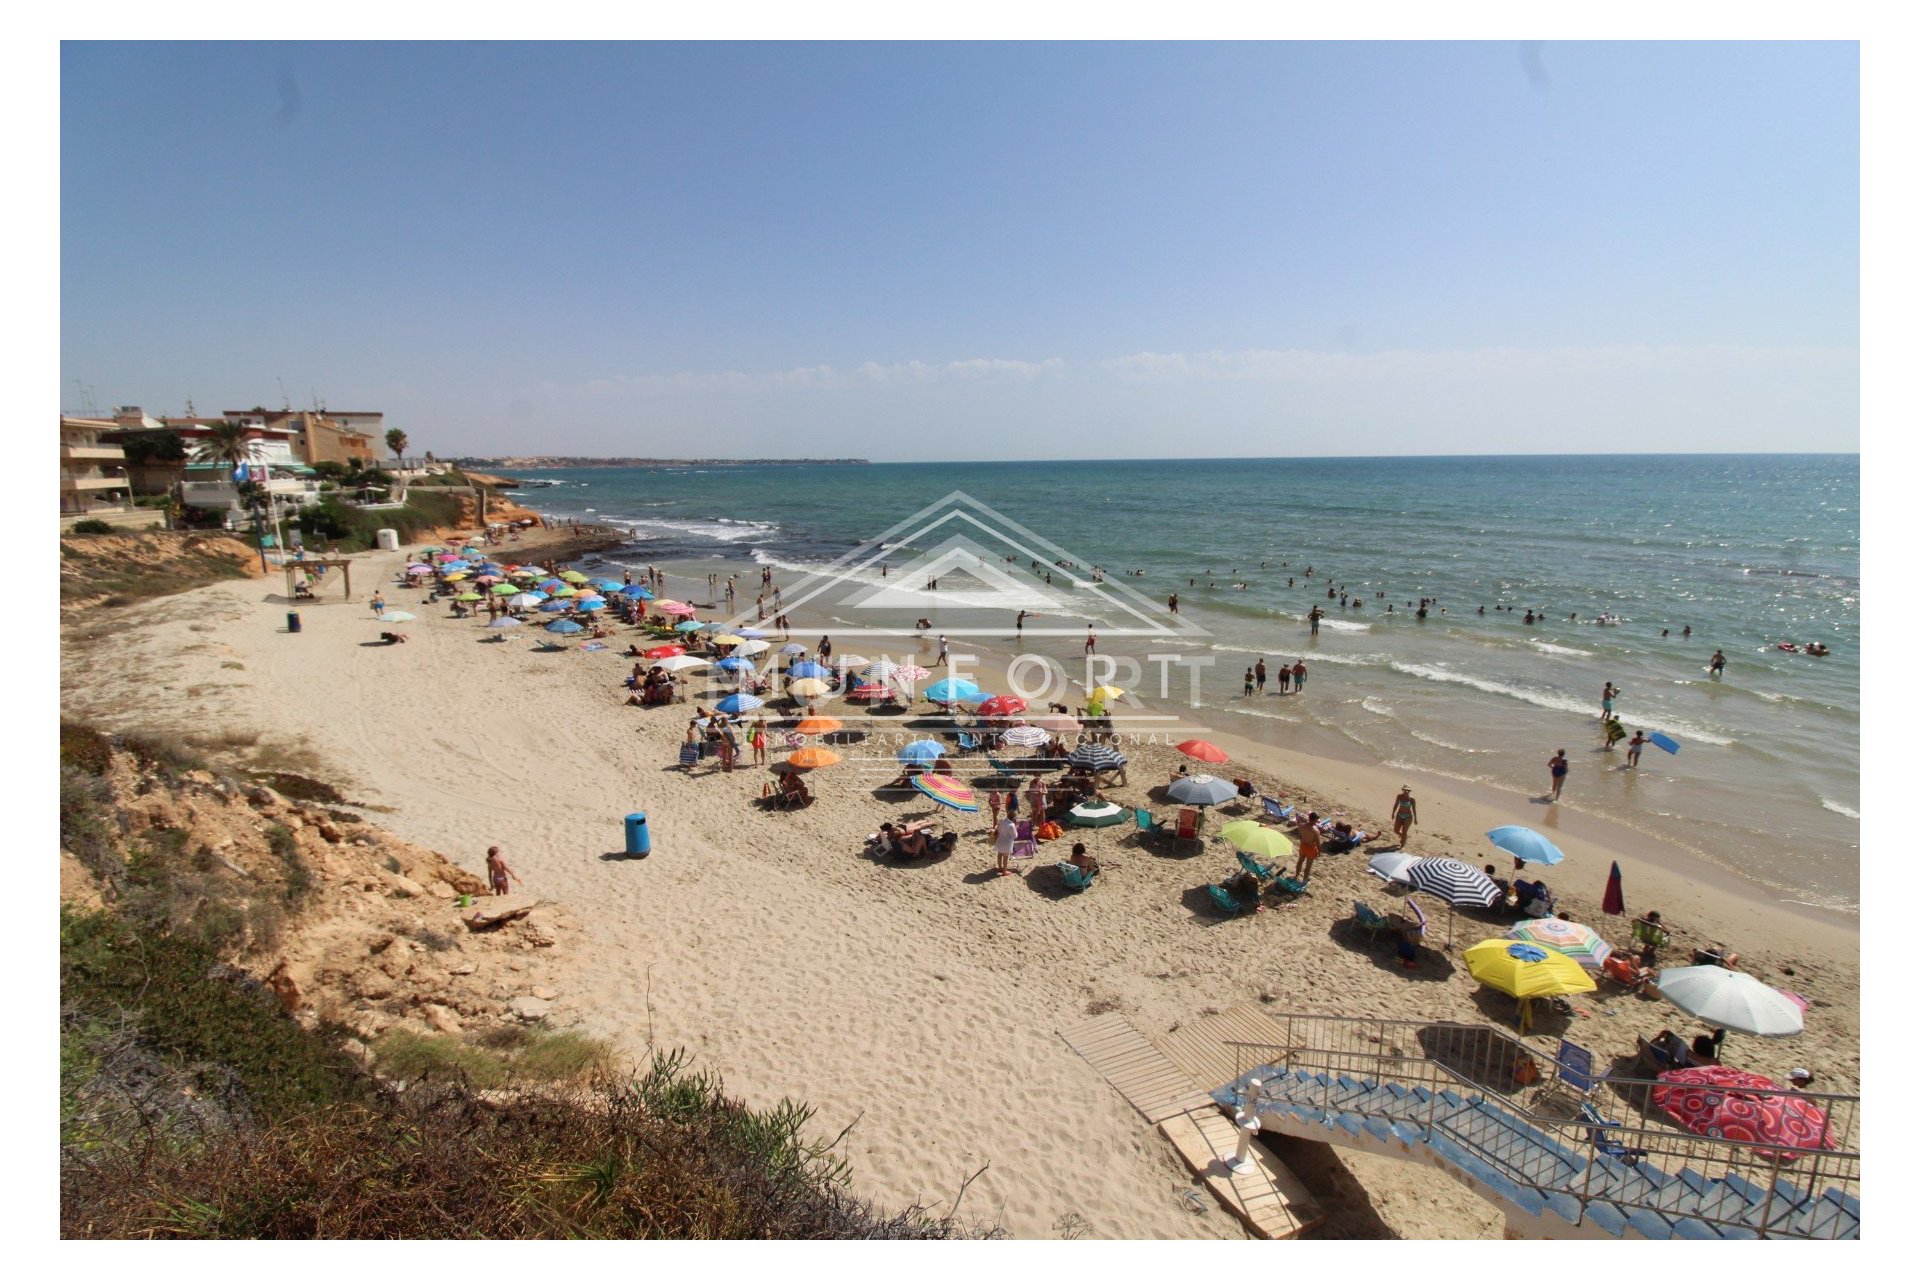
(1600, 1131)
(1147, 823)
(1573, 1071)
(1074, 878)
(1187, 828)
(1261, 871)
(1226, 901)
(1419, 916)
(1275, 810)
(1024, 845)
(1371, 921)
(969, 742)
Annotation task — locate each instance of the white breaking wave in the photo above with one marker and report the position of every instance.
(1385, 711)
(1550, 701)
(1335, 624)
(1841, 809)
(722, 530)
(1544, 647)
(1264, 715)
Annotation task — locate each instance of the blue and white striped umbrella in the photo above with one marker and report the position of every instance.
(1097, 756)
(735, 664)
(1452, 881)
(735, 703)
(1024, 735)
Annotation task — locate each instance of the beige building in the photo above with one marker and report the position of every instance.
(93, 475)
(319, 436)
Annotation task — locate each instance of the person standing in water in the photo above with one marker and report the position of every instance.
(1557, 769)
(1634, 744)
(1606, 701)
(1260, 676)
(1299, 677)
(1718, 666)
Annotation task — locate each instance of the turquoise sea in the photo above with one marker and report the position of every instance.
(1748, 551)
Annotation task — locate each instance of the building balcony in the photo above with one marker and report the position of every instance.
(93, 452)
(80, 484)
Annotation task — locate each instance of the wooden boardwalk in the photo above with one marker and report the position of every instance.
(1204, 1049)
(1150, 1083)
(1166, 1079)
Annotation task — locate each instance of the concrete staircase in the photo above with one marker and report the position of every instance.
(1547, 1188)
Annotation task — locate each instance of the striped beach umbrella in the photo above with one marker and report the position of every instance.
(1096, 757)
(554, 606)
(908, 672)
(1024, 735)
(948, 791)
(920, 751)
(1587, 948)
(881, 670)
(1453, 882)
(734, 703)
(552, 584)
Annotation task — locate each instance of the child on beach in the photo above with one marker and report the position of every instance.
(498, 873)
(1405, 814)
(759, 741)
(1246, 686)
(1634, 744)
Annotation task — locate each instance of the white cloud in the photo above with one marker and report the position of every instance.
(1293, 365)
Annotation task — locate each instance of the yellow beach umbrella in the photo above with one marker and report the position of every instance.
(1106, 693)
(1524, 969)
(1261, 842)
(809, 687)
(728, 641)
(454, 577)
(573, 575)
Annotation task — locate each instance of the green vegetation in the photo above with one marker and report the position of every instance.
(512, 1055)
(90, 526)
(352, 529)
(159, 563)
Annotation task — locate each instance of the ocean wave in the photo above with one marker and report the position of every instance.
(1264, 715)
(1544, 647)
(1550, 701)
(1386, 712)
(657, 528)
(1336, 624)
(1045, 607)
(1836, 807)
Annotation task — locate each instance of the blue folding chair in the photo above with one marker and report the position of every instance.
(1600, 1131)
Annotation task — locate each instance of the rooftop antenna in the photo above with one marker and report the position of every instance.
(190, 412)
(286, 404)
(86, 399)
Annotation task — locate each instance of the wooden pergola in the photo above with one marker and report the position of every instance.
(299, 567)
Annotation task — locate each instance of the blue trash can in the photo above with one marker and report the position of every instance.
(639, 841)
(293, 620)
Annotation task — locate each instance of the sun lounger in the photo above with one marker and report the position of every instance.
(1370, 920)
(1275, 810)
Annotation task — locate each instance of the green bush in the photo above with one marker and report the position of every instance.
(90, 526)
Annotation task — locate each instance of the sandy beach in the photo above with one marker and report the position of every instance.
(920, 1004)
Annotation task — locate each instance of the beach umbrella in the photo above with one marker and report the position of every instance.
(502, 623)
(674, 608)
(552, 584)
(727, 642)
(753, 646)
(1024, 735)
(818, 725)
(588, 606)
(1096, 757)
(1057, 724)
(488, 578)
(396, 615)
(1106, 692)
(734, 703)
(794, 646)
(686, 626)
(1392, 866)
(681, 662)
(414, 570)
(812, 758)
(588, 593)
(1613, 901)
(608, 584)
(952, 690)
(1201, 749)
(1587, 948)
(1665, 743)
(1452, 881)
(1740, 1106)
(809, 687)
(1731, 999)
(637, 591)
(1262, 842)
(881, 670)
(527, 600)
(469, 596)
(747, 632)
(910, 673)
(1526, 844)
(565, 627)
(1000, 707)
(554, 606)
(455, 577)
(592, 646)
(948, 791)
(920, 751)
(807, 670)
(663, 651)
(735, 664)
(574, 575)
(1200, 788)
(506, 589)
(1524, 970)
(869, 693)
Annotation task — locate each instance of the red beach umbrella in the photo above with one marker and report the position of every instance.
(999, 707)
(1201, 749)
(664, 651)
(1722, 1102)
(1613, 901)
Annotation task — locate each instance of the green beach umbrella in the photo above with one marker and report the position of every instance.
(469, 595)
(506, 589)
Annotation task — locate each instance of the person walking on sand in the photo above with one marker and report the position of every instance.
(1634, 744)
(941, 659)
(1260, 676)
(1090, 638)
(1299, 677)
(1004, 835)
(758, 740)
(378, 604)
(1405, 814)
(498, 873)
(1557, 769)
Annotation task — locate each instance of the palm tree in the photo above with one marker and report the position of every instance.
(228, 442)
(397, 442)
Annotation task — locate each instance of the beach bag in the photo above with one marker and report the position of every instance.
(689, 755)
(1048, 831)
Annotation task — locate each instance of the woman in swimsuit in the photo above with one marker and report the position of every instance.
(1558, 768)
(1405, 814)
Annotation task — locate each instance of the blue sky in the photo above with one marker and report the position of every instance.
(976, 250)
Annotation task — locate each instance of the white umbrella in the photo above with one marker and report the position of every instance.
(748, 647)
(1392, 866)
(396, 615)
(1024, 735)
(681, 662)
(1731, 999)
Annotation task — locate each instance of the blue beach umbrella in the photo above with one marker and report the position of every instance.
(735, 664)
(588, 606)
(804, 670)
(1526, 844)
(565, 627)
(1665, 743)
(637, 591)
(747, 632)
(920, 751)
(953, 690)
(555, 606)
(608, 584)
(735, 703)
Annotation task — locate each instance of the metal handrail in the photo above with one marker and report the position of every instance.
(1482, 1058)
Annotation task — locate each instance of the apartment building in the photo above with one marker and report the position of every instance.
(93, 473)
